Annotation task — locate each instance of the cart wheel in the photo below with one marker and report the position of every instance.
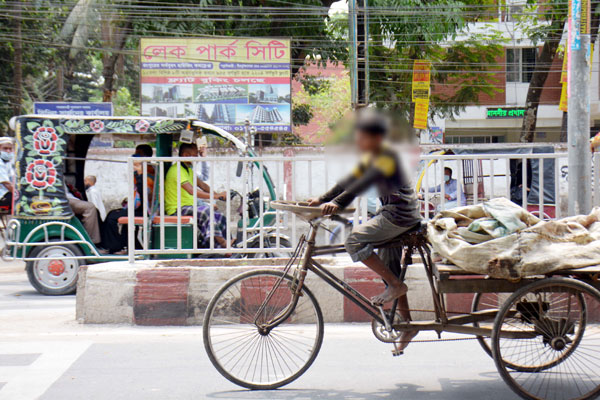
(550, 331)
(249, 356)
(57, 276)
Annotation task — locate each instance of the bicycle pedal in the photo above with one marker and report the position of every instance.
(397, 352)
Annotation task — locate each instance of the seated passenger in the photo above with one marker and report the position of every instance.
(114, 237)
(83, 209)
(7, 173)
(451, 188)
(187, 199)
(94, 195)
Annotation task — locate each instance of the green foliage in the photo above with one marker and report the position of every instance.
(329, 106)
(301, 114)
(314, 84)
(463, 62)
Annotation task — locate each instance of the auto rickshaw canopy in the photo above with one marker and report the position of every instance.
(42, 148)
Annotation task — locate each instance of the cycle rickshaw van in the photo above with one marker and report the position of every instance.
(43, 230)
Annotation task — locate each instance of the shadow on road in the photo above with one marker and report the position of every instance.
(450, 389)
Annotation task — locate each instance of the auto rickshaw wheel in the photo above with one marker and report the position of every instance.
(58, 275)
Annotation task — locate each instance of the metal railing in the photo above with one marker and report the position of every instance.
(542, 190)
(297, 178)
(479, 177)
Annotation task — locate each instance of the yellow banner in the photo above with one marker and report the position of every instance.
(421, 80)
(563, 106)
(421, 114)
(563, 73)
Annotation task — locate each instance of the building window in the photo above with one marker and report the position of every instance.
(520, 64)
(458, 139)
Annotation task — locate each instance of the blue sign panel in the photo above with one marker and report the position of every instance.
(77, 109)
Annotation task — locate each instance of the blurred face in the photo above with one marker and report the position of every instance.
(193, 152)
(202, 151)
(366, 142)
(7, 148)
(88, 182)
(447, 176)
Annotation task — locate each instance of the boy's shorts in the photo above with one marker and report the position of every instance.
(364, 237)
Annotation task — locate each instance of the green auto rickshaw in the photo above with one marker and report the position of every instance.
(43, 230)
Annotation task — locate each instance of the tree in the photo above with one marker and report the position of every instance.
(27, 30)
(541, 24)
(401, 31)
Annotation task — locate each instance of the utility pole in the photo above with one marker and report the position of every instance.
(580, 182)
(18, 60)
(362, 53)
(358, 28)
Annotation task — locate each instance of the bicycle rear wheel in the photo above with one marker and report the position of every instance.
(255, 358)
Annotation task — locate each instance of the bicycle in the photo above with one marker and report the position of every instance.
(264, 328)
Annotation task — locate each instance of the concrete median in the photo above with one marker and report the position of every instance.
(177, 292)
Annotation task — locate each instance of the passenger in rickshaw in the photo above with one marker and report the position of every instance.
(94, 195)
(113, 238)
(451, 188)
(83, 209)
(187, 199)
(7, 173)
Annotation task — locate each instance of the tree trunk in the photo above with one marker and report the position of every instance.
(18, 66)
(536, 85)
(563, 127)
(109, 61)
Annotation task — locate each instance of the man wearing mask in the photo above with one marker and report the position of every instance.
(7, 173)
(451, 189)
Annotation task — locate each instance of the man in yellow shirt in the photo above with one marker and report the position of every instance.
(187, 199)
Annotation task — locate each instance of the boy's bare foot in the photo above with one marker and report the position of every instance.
(406, 338)
(391, 293)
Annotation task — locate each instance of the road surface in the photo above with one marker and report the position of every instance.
(45, 354)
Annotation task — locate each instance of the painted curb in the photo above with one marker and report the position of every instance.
(177, 293)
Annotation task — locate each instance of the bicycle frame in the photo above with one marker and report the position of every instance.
(410, 242)
(309, 264)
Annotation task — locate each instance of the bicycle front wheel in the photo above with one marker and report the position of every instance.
(256, 358)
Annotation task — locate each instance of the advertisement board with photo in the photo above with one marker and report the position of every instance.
(223, 81)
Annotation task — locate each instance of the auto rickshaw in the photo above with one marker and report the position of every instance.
(44, 232)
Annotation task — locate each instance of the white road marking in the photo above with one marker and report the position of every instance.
(31, 381)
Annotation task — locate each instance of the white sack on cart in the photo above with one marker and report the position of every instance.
(500, 239)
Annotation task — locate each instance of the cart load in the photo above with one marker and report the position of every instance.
(500, 239)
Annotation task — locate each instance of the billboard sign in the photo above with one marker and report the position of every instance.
(80, 108)
(222, 81)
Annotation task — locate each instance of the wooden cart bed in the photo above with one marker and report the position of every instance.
(453, 279)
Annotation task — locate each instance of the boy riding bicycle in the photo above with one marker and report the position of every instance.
(399, 211)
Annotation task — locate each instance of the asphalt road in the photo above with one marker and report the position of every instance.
(46, 354)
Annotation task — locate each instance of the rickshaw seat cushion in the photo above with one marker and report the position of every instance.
(171, 219)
